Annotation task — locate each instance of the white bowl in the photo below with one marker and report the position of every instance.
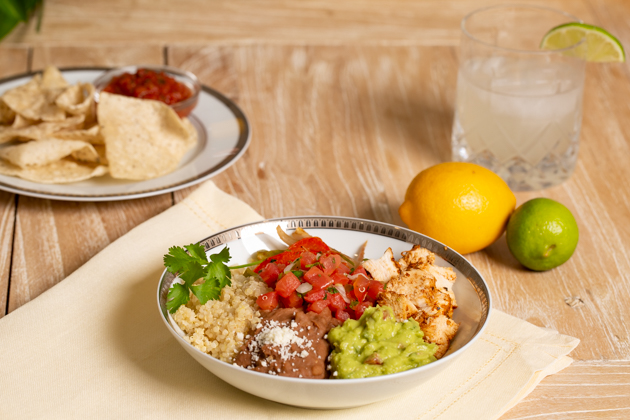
(345, 235)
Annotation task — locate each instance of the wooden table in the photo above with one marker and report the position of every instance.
(348, 101)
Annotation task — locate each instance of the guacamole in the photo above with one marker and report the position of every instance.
(377, 345)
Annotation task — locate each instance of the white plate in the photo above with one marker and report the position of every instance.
(345, 235)
(223, 132)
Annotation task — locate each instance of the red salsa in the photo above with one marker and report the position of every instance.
(149, 84)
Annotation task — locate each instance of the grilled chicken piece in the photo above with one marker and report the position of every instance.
(384, 269)
(439, 330)
(402, 307)
(416, 257)
(444, 280)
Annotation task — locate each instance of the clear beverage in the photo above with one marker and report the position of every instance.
(525, 128)
(519, 108)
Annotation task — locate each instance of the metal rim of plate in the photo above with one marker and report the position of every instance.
(242, 145)
(357, 225)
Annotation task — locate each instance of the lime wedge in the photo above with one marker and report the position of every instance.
(600, 45)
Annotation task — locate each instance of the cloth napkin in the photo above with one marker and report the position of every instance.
(94, 346)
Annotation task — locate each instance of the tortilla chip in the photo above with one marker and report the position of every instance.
(21, 122)
(48, 112)
(30, 100)
(144, 139)
(39, 131)
(7, 115)
(192, 133)
(60, 172)
(52, 83)
(102, 154)
(25, 97)
(43, 152)
(91, 135)
(77, 99)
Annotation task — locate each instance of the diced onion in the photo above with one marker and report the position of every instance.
(356, 276)
(289, 267)
(342, 292)
(304, 287)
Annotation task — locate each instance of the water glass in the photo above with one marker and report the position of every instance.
(519, 108)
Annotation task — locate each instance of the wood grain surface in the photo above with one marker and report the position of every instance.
(347, 102)
(14, 60)
(427, 22)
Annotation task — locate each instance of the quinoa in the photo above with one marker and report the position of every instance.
(220, 326)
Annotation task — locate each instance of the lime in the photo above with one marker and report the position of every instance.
(542, 234)
(601, 46)
(462, 205)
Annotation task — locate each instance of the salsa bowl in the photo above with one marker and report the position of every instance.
(346, 235)
(189, 80)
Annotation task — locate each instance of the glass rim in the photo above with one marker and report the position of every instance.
(521, 6)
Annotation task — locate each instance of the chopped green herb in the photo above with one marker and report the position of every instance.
(194, 265)
(298, 273)
(354, 303)
(332, 290)
(315, 264)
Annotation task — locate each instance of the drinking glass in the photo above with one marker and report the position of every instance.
(519, 108)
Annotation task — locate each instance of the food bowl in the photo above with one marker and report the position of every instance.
(345, 235)
(182, 108)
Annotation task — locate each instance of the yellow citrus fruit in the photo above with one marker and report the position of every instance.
(463, 205)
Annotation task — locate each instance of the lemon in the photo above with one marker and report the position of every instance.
(462, 205)
(601, 46)
(542, 234)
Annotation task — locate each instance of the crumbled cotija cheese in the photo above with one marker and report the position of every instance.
(276, 335)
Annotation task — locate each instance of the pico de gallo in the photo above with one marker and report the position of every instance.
(313, 276)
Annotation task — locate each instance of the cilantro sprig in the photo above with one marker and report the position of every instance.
(192, 266)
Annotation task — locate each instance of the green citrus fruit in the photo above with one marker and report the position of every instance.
(542, 234)
(600, 46)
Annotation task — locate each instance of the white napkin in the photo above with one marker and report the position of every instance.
(94, 346)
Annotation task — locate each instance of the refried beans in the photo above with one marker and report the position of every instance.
(289, 342)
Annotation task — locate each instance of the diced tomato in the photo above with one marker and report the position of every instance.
(313, 244)
(342, 315)
(285, 258)
(317, 306)
(307, 258)
(359, 270)
(268, 301)
(287, 284)
(360, 308)
(350, 312)
(374, 289)
(350, 292)
(270, 274)
(343, 268)
(293, 301)
(314, 295)
(317, 278)
(360, 288)
(330, 262)
(340, 278)
(336, 302)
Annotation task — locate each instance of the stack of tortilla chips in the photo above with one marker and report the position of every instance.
(52, 133)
